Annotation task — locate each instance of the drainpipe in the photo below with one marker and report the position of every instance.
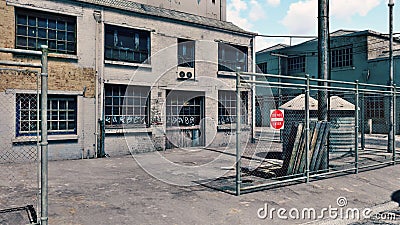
(97, 17)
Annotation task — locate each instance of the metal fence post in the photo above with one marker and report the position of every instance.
(356, 124)
(44, 143)
(307, 123)
(394, 123)
(362, 111)
(238, 131)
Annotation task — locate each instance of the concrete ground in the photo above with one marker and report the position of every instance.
(119, 191)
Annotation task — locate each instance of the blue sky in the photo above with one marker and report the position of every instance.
(299, 17)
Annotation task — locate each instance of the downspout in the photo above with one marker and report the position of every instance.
(97, 16)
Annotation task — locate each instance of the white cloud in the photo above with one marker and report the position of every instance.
(301, 18)
(233, 14)
(345, 9)
(256, 11)
(262, 42)
(244, 12)
(274, 2)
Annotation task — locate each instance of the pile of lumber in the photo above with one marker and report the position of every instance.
(295, 160)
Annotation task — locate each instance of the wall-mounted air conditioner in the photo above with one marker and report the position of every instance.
(185, 73)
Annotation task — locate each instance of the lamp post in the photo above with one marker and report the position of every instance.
(391, 146)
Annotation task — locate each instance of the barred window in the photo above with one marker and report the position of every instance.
(61, 114)
(184, 108)
(230, 57)
(262, 68)
(342, 57)
(297, 64)
(227, 107)
(186, 51)
(34, 29)
(374, 106)
(126, 44)
(126, 106)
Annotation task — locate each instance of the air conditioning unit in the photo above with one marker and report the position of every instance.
(185, 73)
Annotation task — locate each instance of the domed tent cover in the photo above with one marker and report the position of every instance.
(298, 103)
(336, 104)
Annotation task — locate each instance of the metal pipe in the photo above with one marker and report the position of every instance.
(323, 58)
(394, 123)
(253, 96)
(307, 130)
(238, 131)
(271, 184)
(11, 63)
(356, 128)
(20, 51)
(390, 145)
(44, 143)
(362, 122)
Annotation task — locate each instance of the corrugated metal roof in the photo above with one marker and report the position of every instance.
(336, 104)
(170, 14)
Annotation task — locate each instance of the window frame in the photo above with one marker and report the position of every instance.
(51, 119)
(226, 61)
(296, 64)
(126, 106)
(188, 46)
(134, 49)
(263, 67)
(229, 110)
(374, 106)
(342, 57)
(42, 27)
(184, 108)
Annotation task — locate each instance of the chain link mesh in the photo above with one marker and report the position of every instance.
(19, 119)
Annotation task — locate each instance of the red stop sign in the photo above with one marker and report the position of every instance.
(277, 119)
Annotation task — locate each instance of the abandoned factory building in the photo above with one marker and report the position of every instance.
(124, 76)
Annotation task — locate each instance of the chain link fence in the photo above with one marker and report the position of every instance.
(295, 141)
(19, 128)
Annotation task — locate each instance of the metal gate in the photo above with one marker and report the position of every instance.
(21, 138)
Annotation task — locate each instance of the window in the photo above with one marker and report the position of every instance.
(262, 68)
(34, 29)
(61, 114)
(374, 106)
(126, 106)
(186, 53)
(184, 108)
(230, 57)
(297, 64)
(227, 107)
(342, 57)
(126, 44)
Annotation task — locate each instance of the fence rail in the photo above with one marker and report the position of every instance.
(354, 137)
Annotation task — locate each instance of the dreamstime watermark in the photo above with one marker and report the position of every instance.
(338, 211)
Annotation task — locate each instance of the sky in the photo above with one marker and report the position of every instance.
(299, 17)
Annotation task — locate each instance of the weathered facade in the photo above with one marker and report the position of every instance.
(126, 76)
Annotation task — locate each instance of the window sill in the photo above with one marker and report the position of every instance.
(119, 63)
(50, 138)
(128, 130)
(196, 127)
(343, 68)
(63, 56)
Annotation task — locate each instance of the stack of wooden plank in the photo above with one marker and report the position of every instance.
(295, 160)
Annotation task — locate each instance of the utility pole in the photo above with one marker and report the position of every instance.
(391, 146)
(323, 39)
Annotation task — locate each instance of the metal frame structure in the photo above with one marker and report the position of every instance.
(356, 88)
(43, 98)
